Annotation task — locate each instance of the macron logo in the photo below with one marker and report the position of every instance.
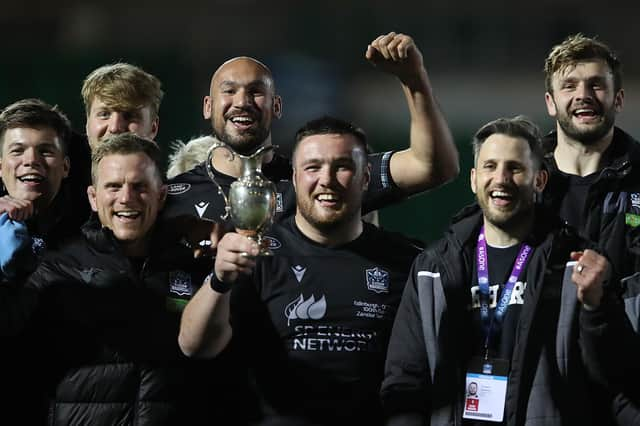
(299, 271)
(201, 207)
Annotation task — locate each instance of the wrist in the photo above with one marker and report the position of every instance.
(217, 285)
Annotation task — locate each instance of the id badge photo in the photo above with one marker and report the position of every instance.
(486, 389)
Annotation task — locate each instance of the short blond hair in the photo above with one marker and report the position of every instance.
(122, 86)
(578, 48)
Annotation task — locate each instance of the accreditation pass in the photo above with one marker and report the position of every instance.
(485, 396)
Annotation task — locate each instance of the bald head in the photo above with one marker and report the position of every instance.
(242, 103)
(244, 64)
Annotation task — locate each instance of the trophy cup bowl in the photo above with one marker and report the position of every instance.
(251, 202)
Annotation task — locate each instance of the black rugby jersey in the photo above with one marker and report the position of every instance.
(314, 322)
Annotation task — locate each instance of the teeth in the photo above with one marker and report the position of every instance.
(327, 197)
(242, 120)
(128, 214)
(32, 178)
(584, 111)
(499, 194)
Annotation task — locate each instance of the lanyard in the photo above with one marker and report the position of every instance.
(482, 263)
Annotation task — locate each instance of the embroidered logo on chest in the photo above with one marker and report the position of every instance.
(377, 280)
(180, 283)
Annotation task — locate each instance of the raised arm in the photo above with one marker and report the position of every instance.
(205, 329)
(432, 157)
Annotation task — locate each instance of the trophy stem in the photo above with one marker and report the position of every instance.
(256, 237)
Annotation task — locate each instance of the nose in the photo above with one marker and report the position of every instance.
(242, 98)
(584, 91)
(117, 123)
(126, 194)
(31, 157)
(503, 174)
(326, 176)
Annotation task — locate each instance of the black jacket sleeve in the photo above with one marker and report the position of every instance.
(405, 388)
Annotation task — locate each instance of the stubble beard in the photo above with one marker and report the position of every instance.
(589, 136)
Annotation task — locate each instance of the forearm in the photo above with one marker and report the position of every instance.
(205, 329)
(432, 157)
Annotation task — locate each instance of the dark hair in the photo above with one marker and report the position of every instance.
(123, 144)
(327, 125)
(35, 114)
(578, 48)
(517, 127)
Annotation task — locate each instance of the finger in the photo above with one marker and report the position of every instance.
(393, 46)
(405, 45)
(383, 45)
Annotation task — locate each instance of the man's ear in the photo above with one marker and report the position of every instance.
(163, 195)
(618, 101)
(540, 180)
(206, 107)
(155, 125)
(91, 193)
(367, 177)
(551, 105)
(472, 180)
(66, 167)
(277, 106)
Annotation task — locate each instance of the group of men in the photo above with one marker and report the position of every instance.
(122, 317)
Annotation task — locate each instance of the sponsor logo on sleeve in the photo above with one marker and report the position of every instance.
(274, 244)
(377, 280)
(178, 188)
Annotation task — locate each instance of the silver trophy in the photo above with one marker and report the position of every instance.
(251, 202)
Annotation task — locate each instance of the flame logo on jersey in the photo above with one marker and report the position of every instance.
(306, 309)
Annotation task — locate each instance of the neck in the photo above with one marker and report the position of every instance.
(338, 235)
(507, 236)
(138, 248)
(576, 158)
(222, 160)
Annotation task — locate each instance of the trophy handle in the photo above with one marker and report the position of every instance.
(219, 144)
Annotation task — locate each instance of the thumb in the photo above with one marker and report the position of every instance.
(576, 255)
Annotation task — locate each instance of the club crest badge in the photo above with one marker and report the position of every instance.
(377, 280)
(180, 283)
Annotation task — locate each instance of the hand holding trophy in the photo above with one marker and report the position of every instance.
(252, 198)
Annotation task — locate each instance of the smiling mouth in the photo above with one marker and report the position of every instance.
(501, 198)
(127, 215)
(31, 178)
(328, 199)
(586, 113)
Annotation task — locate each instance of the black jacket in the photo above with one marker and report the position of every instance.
(109, 326)
(612, 219)
(551, 366)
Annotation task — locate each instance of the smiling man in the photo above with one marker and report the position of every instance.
(321, 308)
(33, 165)
(499, 302)
(595, 166)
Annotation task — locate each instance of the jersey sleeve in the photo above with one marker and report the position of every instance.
(382, 190)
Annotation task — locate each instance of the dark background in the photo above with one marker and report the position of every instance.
(484, 58)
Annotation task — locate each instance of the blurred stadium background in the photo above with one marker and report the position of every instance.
(484, 59)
